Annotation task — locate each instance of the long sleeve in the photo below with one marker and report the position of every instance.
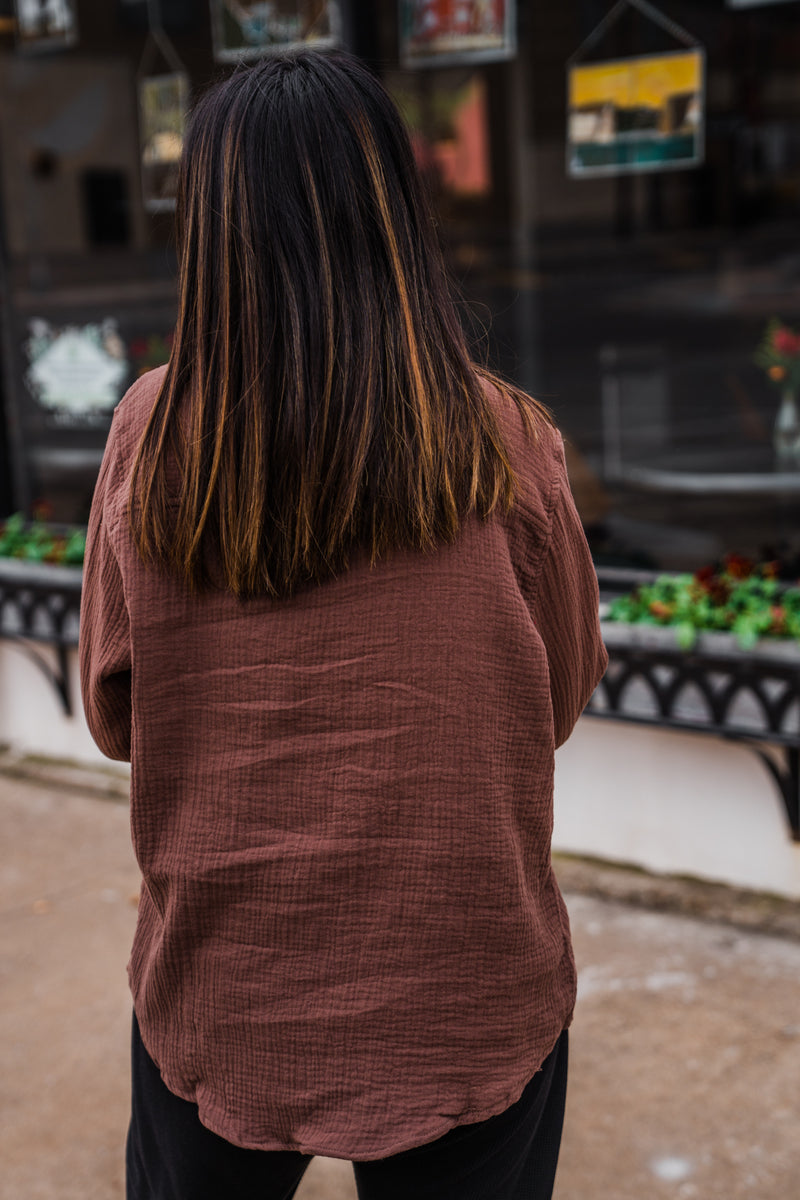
(105, 646)
(566, 609)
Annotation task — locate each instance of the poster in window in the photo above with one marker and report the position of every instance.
(636, 114)
(46, 24)
(163, 100)
(245, 29)
(450, 137)
(440, 33)
(76, 373)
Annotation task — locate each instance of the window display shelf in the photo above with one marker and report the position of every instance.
(705, 483)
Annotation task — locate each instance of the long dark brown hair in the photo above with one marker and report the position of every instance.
(320, 397)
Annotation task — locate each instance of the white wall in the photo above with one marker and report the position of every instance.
(676, 803)
(32, 720)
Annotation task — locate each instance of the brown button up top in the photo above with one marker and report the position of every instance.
(349, 938)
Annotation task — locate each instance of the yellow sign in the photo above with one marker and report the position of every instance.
(636, 114)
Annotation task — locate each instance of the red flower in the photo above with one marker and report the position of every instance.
(778, 615)
(785, 342)
(660, 610)
(719, 592)
(42, 510)
(704, 578)
(56, 552)
(737, 566)
(717, 589)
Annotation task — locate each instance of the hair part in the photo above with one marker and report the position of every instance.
(319, 398)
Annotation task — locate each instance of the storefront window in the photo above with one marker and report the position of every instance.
(632, 299)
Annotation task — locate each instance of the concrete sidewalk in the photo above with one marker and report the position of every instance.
(685, 1052)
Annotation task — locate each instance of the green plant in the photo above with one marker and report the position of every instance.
(736, 597)
(38, 541)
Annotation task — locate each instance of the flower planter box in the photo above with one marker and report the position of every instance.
(56, 575)
(716, 687)
(708, 645)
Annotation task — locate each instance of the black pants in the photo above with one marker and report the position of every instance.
(512, 1156)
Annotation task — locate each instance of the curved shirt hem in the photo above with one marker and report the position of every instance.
(423, 1137)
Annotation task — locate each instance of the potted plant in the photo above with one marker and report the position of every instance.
(41, 553)
(734, 607)
(41, 542)
(779, 355)
(41, 576)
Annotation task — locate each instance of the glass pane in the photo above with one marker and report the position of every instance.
(633, 300)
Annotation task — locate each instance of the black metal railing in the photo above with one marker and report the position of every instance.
(40, 605)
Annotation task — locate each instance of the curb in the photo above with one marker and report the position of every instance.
(101, 782)
(755, 912)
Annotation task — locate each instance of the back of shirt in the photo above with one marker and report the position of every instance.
(350, 938)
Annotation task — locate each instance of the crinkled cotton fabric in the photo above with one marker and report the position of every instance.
(349, 937)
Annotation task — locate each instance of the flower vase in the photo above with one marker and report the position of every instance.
(786, 433)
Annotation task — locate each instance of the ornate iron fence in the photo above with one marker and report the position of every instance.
(40, 605)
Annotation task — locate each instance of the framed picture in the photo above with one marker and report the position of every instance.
(46, 24)
(244, 29)
(440, 33)
(636, 114)
(76, 373)
(449, 135)
(163, 101)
